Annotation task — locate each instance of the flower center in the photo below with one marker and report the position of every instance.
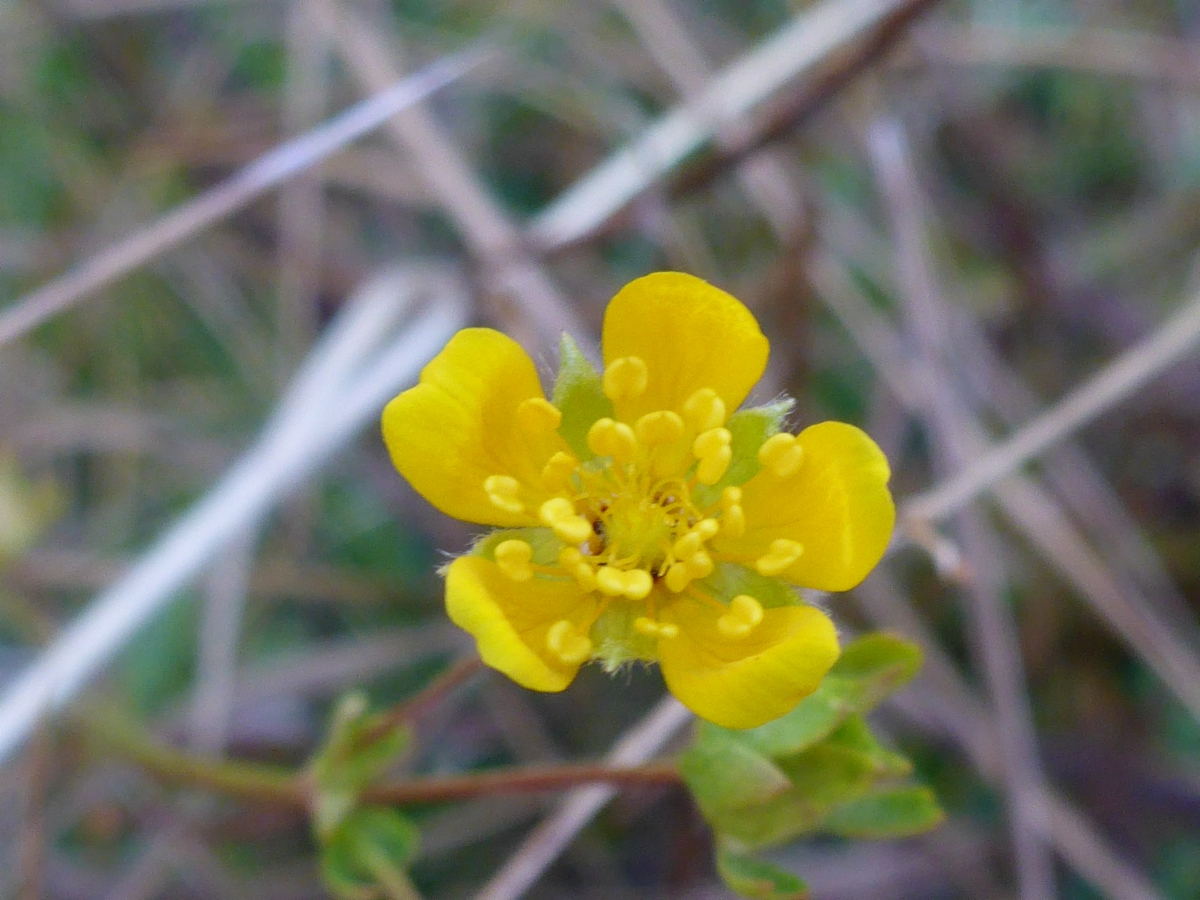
(629, 519)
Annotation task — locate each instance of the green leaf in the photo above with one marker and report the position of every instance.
(757, 879)
(854, 734)
(822, 778)
(368, 855)
(579, 395)
(724, 773)
(749, 428)
(892, 812)
(868, 670)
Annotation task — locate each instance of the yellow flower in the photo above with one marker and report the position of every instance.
(640, 517)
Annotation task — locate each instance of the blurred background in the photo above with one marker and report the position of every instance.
(946, 216)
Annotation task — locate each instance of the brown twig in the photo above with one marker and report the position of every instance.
(425, 700)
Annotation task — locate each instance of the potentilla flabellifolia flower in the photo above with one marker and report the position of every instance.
(639, 516)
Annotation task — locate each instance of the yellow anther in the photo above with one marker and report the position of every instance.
(655, 629)
(513, 559)
(559, 513)
(731, 496)
(662, 427)
(558, 471)
(615, 439)
(781, 555)
(610, 581)
(569, 557)
(733, 521)
(700, 565)
(707, 528)
(567, 644)
(625, 378)
(781, 454)
(705, 410)
(502, 492)
(638, 584)
(711, 468)
(744, 613)
(538, 416)
(678, 577)
(712, 449)
(688, 545)
(709, 442)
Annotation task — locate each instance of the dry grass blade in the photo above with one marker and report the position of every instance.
(193, 217)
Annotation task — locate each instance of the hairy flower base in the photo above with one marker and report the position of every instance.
(640, 519)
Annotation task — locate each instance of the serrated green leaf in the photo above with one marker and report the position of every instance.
(757, 879)
(868, 670)
(888, 813)
(749, 428)
(368, 854)
(724, 773)
(822, 778)
(579, 395)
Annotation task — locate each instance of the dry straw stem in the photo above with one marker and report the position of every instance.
(925, 314)
(1029, 509)
(1147, 57)
(543, 845)
(1119, 379)
(359, 364)
(268, 171)
(801, 48)
(480, 220)
(949, 700)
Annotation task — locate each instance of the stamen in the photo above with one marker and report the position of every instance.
(781, 454)
(567, 644)
(707, 528)
(700, 565)
(733, 519)
(538, 416)
(556, 476)
(655, 629)
(713, 450)
(513, 559)
(744, 613)
(615, 439)
(502, 492)
(731, 496)
(662, 427)
(678, 577)
(782, 554)
(625, 378)
(610, 581)
(638, 584)
(559, 513)
(688, 545)
(705, 410)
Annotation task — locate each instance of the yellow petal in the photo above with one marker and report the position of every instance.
(745, 682)
(459, 427)
(835, 505)
(510, 620)
(690, 335)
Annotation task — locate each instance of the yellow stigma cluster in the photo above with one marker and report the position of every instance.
(629, 518)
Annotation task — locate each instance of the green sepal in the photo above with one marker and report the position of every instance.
(368, 855)
(749, 428)
(730, 579)
(724, 773)
(854, 734)
(350, 759)
(579, 395)
(888, 813)
(869, 669)
(545, 544)
(757, 879)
